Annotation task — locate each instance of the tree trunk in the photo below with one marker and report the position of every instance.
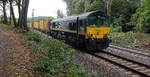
(12, 13)
(24, 13)
(19, 11)
(4, 12)
(109, 3)
(10, 18)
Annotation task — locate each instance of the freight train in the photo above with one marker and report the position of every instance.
(89, 30)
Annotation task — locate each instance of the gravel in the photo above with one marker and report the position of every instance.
(98, 65)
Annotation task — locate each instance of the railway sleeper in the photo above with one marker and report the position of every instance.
(140, 68)
(146, 71)
(133, 66)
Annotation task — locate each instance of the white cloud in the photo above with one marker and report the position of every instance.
(43, 8)
(46, 7)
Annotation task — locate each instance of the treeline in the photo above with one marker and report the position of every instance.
(127, 14)
(22, 6)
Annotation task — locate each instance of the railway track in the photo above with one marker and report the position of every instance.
(135, 51)
(137, 55)
(135, 62)
(131, 68)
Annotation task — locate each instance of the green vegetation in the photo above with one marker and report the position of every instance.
(140, 21)
(142, 17)
(119, 11)
(131, 39)
(129, 15)
(22, 6)
(55, 57)
(116, 29)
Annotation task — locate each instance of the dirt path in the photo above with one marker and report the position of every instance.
(15, 60)
(3, 44)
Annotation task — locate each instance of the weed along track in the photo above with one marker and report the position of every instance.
(131, 68)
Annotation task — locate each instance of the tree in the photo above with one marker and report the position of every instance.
(4, 2)
(117, 10)
(142, 17)
(60, 14)
(69, 6)
(24, 13)
(22, 9)
(12, 12)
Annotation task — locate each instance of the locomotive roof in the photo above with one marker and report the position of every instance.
(81, 16)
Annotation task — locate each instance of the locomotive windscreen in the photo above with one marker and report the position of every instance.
(97, 20)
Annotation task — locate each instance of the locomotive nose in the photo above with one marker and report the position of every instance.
(97, 32)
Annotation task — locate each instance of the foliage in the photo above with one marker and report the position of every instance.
(35, 36)
(131, 39)
(119, 11)
(80, 6)
(116, 29)
(97, 5)
(22, 6)
(142, 18)
(117, 37)
(56, 57)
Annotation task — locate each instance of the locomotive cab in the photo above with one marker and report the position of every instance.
(97, 31)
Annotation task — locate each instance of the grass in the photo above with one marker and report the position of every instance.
(139, 40)
(55, 57)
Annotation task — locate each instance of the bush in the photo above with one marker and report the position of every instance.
(34, 36)
(55, 57)
(142, 17)
(116, 29)
(123, 38)
(130, 39)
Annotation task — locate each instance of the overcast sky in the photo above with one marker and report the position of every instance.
(46, 7)
(43, 8)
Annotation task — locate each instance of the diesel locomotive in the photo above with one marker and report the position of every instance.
(89, 30)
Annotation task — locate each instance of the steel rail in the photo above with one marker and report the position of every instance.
(140, 69)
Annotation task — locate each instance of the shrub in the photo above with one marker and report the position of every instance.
(34, 36)
(116, 29)
(56, 57)
(131, 39)
(142, 17)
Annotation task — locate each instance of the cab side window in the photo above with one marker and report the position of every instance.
(81, 26)
(72, 26)
(53, 25)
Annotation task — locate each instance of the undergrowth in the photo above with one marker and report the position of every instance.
(131, 39)
(55, 57)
